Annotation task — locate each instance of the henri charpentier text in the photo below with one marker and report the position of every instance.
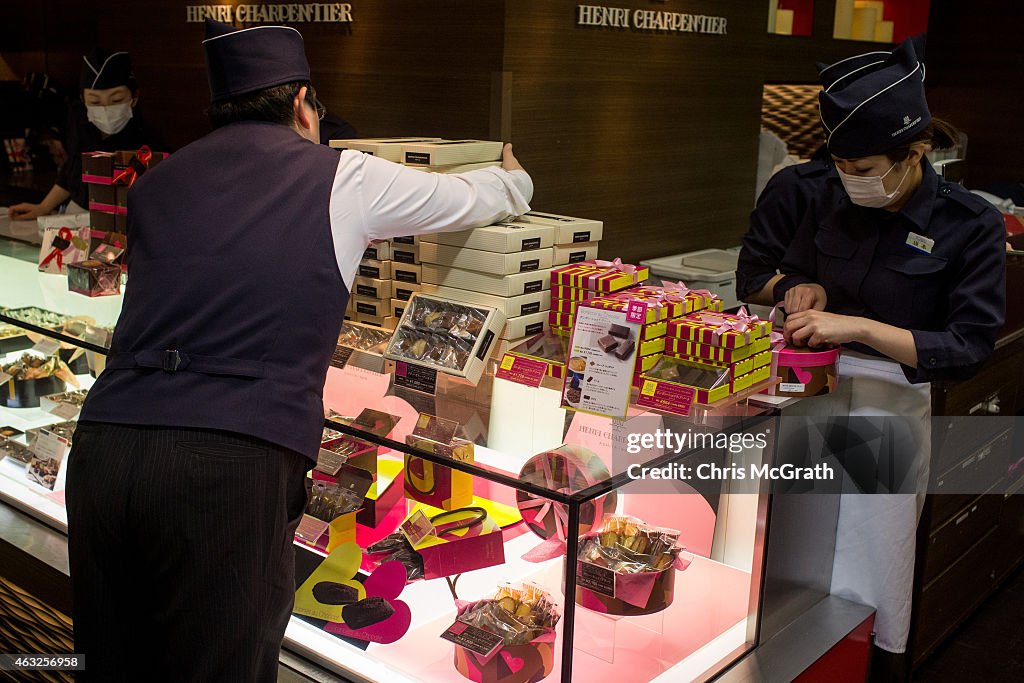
(296, 13)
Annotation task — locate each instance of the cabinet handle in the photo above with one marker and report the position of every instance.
(990, 406)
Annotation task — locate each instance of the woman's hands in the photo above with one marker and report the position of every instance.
(805, 298)
(818, 328)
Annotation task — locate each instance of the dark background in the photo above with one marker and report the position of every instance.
(656, 134)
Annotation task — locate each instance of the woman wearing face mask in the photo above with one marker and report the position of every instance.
(106, 121)
(907, 272)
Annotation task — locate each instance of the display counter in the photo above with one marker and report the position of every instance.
(565, 471)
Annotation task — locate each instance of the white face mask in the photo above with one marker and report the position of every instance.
(111, 119)
(869, 191)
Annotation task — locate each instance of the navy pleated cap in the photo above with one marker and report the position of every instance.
(103, 69)
(874, 102)
(251, 59)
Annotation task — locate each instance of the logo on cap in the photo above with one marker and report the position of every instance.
(906, 120)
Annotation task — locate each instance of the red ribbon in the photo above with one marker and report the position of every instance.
(64, 234)
(136, 167)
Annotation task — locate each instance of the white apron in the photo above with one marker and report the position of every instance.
(876, 533)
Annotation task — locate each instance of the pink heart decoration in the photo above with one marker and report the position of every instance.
(387, 581)
(515, 664)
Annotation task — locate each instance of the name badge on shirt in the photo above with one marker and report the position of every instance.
(920, 243)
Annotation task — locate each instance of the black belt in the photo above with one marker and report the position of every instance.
(173, 360)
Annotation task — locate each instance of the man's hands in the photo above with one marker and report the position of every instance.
(804, 298)
(508, 159)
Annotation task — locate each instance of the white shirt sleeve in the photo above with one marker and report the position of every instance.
(376, 199)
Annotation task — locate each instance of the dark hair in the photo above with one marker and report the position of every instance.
(938, 134)
(272, 104)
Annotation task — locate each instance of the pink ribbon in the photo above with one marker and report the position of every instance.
(684, 290)
(590, 281)
(555, 546)
(739, 322)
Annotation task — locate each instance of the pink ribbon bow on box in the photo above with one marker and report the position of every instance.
(616, 264)
(739, 322)
(682, 289)
(542, 507)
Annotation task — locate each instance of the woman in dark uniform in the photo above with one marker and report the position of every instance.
(906, 272)
(104, 121)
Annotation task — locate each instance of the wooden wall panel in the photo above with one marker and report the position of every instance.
(402, 65)
(654, 133)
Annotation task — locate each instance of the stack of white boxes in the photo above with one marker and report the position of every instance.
(505, 266)
(390, 272)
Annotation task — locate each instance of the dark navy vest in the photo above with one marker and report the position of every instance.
(234, 299)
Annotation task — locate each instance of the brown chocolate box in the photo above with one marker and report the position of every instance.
(106, 163)
(113, 195)
(117, 222)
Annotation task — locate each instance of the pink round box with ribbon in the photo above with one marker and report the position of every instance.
(804, 371)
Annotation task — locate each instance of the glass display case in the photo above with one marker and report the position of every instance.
(488, 496)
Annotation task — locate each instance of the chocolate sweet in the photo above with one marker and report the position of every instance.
(333, 593)
(625, 349)
(620, 331)
(608, 343)
(366, 612)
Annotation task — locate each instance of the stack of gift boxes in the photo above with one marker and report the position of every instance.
(108, 176)
(506, 266)
(736, 343)
(390, 271)
(664, 305)
(388, 275)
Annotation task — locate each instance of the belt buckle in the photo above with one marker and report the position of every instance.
(172, 360)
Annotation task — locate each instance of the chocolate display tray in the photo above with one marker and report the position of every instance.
(464, 354)
(25, 393)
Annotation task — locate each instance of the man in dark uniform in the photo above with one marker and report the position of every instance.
(185, 482)
(105, 120)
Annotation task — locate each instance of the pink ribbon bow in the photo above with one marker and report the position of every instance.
(684, 290)
(617, 264)
(542, 507)
(739, 322)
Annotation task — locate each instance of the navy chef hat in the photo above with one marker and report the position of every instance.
(251, 59)
(103, 69)
(874, 102)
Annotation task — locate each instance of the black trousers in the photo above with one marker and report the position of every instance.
(182, 562)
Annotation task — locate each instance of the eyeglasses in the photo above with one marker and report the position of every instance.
(318, 107)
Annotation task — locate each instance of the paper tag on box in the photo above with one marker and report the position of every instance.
(666, 397)
(330, 462)
(637, 312)
(341, 356)
(792, 387)
(525, 371)
(473, 639)
(65, 411)
(417, 527)
(310, 529)
(97, 335)
(598, 579)
(49, 446)
(47, 347)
